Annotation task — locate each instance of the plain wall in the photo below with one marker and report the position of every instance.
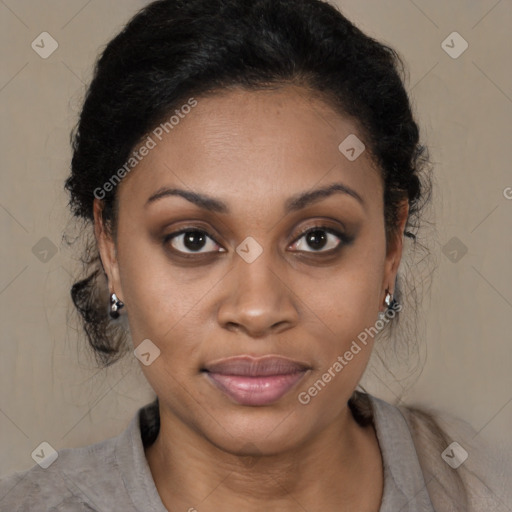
(50, 388)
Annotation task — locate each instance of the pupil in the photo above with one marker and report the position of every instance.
(194, 240)
(316, 239)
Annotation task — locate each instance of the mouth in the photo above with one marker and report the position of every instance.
(255, 381)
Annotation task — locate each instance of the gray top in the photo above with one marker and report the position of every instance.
(114, 474)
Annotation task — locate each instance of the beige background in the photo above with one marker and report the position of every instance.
(50, 389)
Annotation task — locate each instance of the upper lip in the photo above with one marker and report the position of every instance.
(256, 367)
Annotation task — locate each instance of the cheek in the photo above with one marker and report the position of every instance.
(348, 301)
(345, 307)
(159, 304)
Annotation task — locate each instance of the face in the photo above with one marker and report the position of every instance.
(256, 264)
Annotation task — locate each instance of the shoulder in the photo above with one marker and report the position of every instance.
(462, 472)
(51, 487)
(76, 480)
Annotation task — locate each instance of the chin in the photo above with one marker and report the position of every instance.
(252, 431)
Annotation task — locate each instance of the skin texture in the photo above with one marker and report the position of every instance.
(254, 150)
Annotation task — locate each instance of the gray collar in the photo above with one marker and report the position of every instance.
(404, 486)
(134, 468)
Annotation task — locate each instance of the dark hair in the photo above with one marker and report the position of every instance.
(175, 49)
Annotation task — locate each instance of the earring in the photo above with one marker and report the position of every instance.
(115, 305)
(388, 300)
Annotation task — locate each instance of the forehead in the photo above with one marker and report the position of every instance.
(242, 143)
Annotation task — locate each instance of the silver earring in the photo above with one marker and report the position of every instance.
(388, 300)
(115, 305)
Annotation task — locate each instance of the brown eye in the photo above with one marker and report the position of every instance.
(319, 239)
(191, 241)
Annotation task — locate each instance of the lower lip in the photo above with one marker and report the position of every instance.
(255, 390)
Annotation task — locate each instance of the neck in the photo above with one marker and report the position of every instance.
(339, 469)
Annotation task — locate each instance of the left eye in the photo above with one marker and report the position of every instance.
(318, 240)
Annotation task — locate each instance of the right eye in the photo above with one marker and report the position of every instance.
(192, 241)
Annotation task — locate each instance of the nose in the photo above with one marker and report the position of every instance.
(258, 301)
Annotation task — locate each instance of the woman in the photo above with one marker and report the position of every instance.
(250, 169)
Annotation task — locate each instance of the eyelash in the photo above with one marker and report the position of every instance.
(344, 240)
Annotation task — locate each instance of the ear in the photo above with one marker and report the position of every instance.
(107, 250)
(394, 249)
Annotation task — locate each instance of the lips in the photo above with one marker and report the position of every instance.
(255, 381)
(256, 367)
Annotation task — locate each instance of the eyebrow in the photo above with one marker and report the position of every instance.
(294, 203)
